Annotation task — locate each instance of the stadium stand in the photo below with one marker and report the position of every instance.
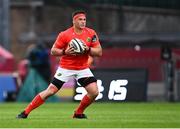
(168, 4)
(129, 58)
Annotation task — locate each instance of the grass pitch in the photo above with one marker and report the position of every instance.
(100, 115)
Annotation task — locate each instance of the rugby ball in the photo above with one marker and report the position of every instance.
(78, 45)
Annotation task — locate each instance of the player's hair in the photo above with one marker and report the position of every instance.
(78, 12)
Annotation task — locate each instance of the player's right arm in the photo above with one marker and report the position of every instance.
(60, 47)
(60, 52)
(56, 51)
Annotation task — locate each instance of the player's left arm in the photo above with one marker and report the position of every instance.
(95, 51)
(95, 48)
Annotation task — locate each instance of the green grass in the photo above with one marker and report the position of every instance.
(100, 115)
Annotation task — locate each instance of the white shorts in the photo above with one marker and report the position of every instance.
(65, 74)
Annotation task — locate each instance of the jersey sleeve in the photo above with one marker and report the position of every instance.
(60, 41)
(94, 39)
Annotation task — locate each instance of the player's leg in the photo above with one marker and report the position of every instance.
(42, 96)
(39, 99)
(91, 87)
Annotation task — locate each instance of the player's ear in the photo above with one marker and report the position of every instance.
(73, 21)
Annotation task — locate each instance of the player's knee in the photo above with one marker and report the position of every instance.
(50, 92)
(47, 93)
(93, 94)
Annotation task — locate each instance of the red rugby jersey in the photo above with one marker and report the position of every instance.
(78, 62)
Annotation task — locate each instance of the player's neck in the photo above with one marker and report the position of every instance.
(78, 30)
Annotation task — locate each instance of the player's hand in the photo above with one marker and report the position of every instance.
(87, 49)
(70, 51)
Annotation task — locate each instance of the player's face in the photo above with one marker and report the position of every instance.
(80, 22)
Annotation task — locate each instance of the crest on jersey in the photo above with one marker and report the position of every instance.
(88, 39)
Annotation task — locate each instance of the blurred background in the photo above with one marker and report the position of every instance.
(140, 40)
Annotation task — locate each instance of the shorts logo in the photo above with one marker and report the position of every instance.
(75, 75)
(88, 39)
(59, 74)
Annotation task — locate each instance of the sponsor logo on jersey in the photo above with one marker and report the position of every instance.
(88, 39)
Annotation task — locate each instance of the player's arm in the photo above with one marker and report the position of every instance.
(56, 51)
(95, 51)
(59, 48)
(60, 52)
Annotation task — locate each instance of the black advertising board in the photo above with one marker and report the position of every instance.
(118, 85)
